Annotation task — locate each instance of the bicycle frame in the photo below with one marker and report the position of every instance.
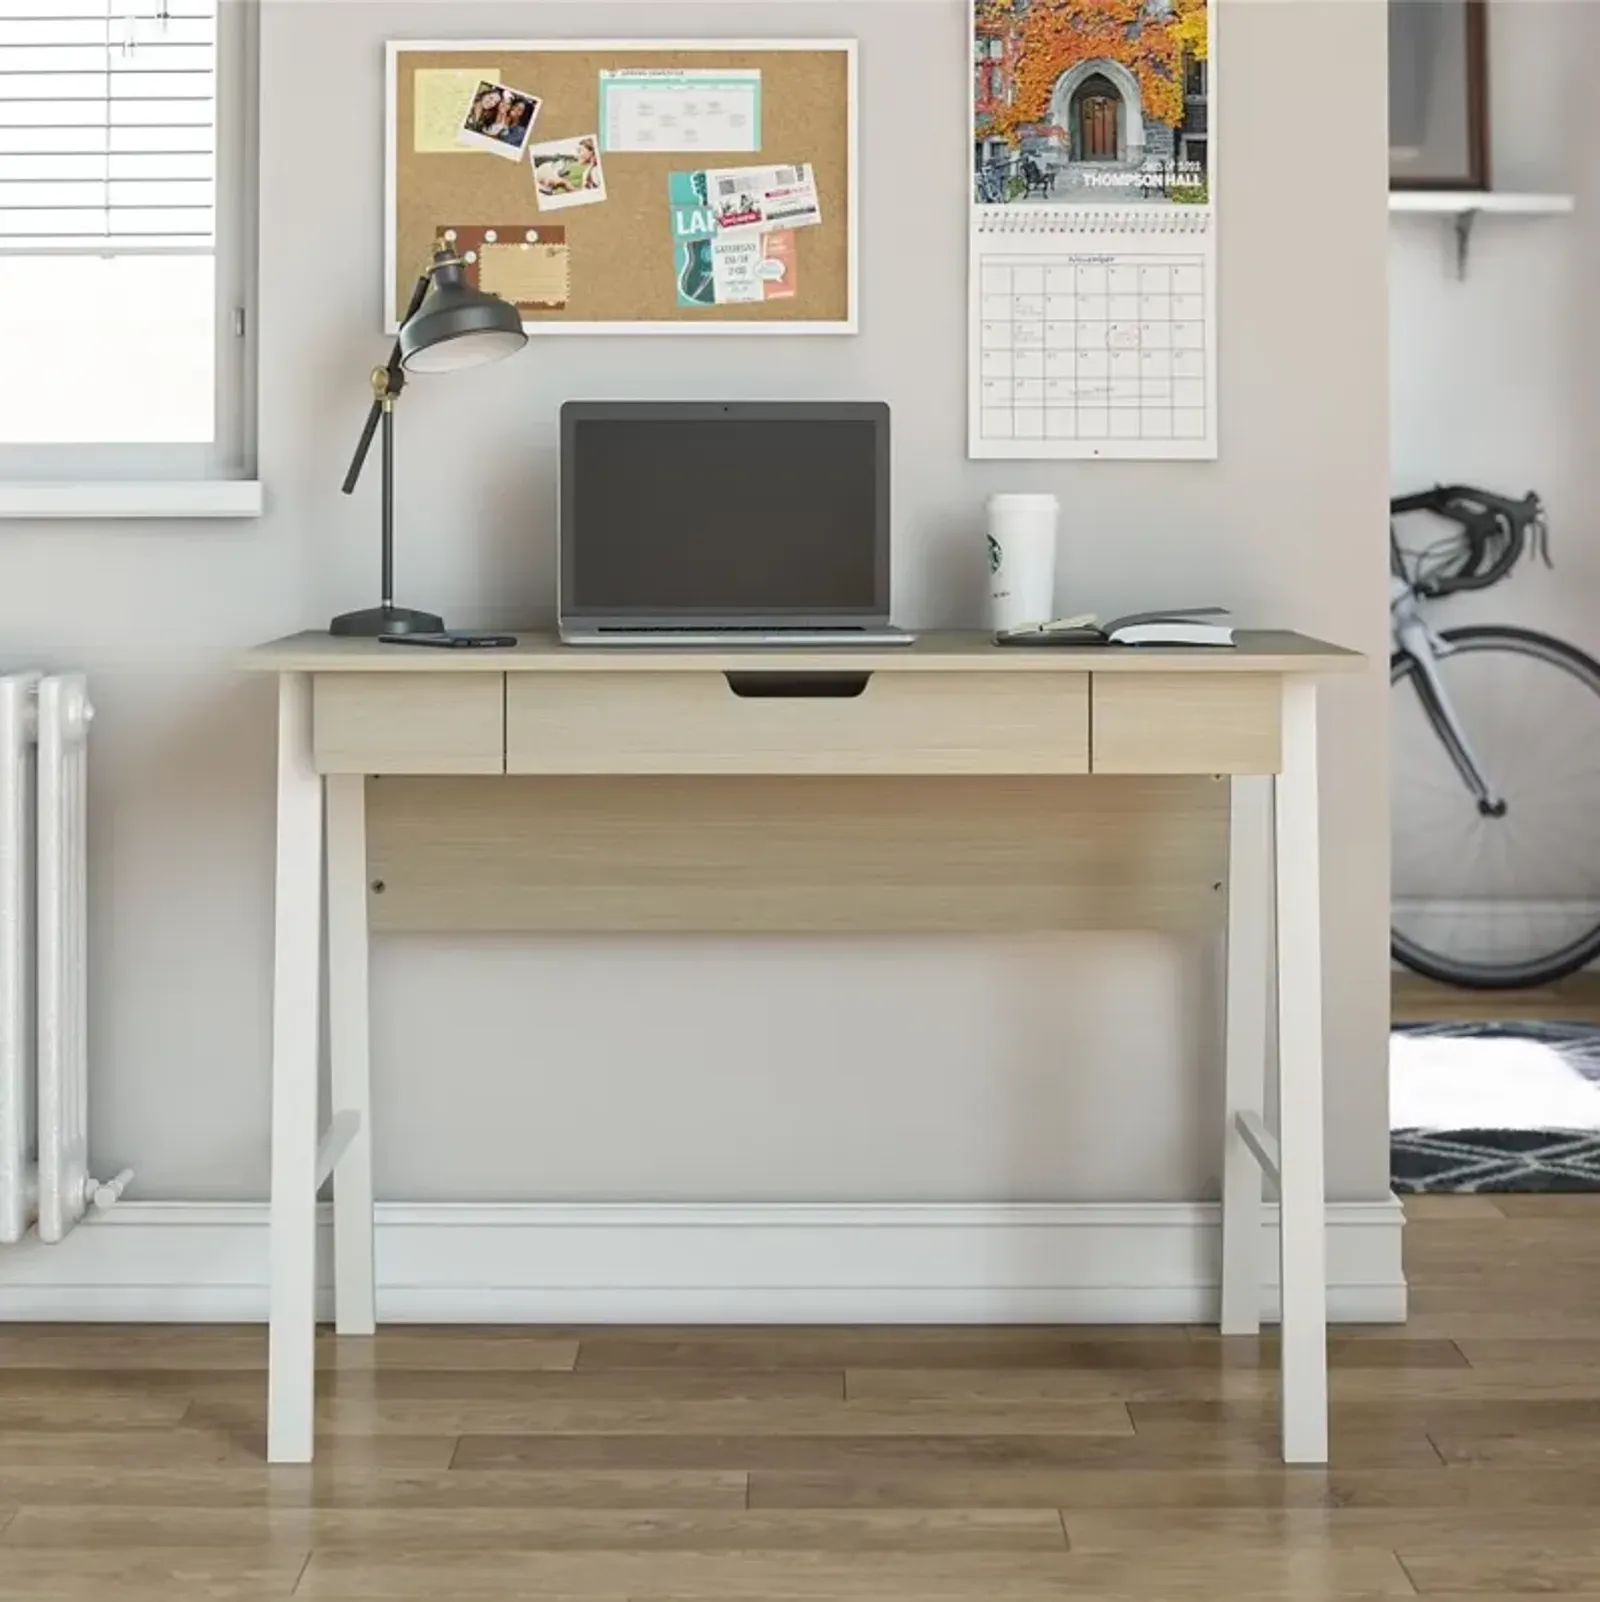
(1417, 639)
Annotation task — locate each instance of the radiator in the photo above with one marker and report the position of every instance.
(44, 904)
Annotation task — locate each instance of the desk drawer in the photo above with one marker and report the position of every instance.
(1187, 722)
(710, 722)
(409, 722)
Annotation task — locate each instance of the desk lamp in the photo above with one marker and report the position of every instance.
(455, 326)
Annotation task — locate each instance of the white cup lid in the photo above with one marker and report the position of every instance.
(1029, 501)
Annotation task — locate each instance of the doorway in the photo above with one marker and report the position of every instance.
(1097, 117)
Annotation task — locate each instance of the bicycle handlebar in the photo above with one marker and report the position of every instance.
(1448, 499)
(1484, 518)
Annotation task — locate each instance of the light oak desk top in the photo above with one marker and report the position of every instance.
(946, 786)
(948, 705)
(1257, 651)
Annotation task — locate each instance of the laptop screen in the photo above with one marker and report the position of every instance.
(730, 513)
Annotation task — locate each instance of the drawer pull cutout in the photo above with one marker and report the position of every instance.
(759, 686)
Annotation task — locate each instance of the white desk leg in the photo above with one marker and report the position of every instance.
(1303, 1270)
(1245, 1080)
(349, 1051)
(296, 1028)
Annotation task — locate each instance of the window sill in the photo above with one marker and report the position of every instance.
(20, 499)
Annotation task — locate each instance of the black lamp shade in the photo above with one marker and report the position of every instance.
(459, 326)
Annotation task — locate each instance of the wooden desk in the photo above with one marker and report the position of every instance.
(947, 786)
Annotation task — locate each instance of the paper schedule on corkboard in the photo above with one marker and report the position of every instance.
(615, 187)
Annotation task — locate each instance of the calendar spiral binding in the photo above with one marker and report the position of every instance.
(1094, 220)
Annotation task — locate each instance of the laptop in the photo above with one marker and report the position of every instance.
(740, 524)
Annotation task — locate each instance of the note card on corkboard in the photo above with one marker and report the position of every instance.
(527, 266)
(771, 119)
(440, 99)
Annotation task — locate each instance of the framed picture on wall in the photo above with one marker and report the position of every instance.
(1438, 94)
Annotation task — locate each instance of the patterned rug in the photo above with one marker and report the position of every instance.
(1494, 1107)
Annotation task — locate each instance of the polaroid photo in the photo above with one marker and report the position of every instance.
(499, 120)
(567, 172)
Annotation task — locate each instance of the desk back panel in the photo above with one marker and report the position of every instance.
(820, 855)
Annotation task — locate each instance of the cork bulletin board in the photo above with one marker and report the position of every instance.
(630, 187)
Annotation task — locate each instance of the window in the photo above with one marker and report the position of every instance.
(125, 222)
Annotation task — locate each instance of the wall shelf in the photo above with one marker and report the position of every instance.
(1466, 205)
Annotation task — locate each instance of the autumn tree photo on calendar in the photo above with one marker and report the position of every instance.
(1091, 102)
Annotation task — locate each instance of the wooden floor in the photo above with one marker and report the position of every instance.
(957, 1463)
(1574, 1000)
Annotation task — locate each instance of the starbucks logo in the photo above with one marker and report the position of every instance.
(994, 554)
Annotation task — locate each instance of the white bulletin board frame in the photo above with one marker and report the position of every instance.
(395, 49)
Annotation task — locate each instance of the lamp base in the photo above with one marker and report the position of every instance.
(375, 620)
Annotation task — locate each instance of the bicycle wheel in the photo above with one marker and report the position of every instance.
(1509, 897)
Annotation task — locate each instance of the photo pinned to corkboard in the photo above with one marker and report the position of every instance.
(527, 266)
(498, 120)
(567, 172)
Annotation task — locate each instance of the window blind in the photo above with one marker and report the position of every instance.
(108, 126)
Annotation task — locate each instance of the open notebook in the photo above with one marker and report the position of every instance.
(1200, 625)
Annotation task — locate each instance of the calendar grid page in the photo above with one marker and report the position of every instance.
(1091, 343)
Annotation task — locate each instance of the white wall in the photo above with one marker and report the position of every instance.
(926, 1070)
(1494, 380)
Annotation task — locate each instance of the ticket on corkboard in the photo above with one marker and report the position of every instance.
(527, 266)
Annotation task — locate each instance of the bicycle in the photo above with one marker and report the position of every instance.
(1496, 816)
(1008, 178)
(989, 182)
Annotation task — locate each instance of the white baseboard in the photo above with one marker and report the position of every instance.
(724, 1263)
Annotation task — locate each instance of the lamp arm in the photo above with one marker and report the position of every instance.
(395, 383)
(359, 460)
